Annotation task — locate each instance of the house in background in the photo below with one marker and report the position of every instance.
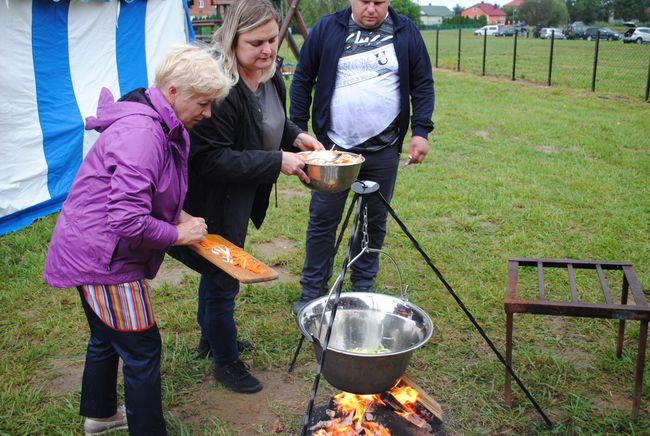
(493, 14)
(514, 4)
(433, 15)
(208, 8)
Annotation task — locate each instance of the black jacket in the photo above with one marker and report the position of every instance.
(230, 173)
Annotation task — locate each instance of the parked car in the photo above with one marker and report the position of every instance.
(505, 31)
(547, 32)
(490, 29)
(638, 35)
(591, 33)
(575, 30)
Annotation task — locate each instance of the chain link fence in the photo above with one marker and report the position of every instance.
(610, 67)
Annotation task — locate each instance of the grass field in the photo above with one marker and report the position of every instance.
(569, 179)
(622, 68)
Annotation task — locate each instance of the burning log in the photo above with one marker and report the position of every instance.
(360, 415)
(394, 404)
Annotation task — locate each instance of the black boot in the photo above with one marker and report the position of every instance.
(237, 377)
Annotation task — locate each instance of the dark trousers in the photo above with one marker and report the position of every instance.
(325, 213)
(140, 354)
(216, 316)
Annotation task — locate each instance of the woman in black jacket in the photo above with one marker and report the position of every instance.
(235, 157)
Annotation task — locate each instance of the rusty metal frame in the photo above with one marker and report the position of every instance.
(639, 310)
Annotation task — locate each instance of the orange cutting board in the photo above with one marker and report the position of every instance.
(236, 272)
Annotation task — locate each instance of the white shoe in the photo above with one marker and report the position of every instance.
(96, 426)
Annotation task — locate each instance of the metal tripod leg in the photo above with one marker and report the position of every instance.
(329, 272)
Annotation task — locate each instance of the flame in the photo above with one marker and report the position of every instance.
(406, 395)
(352, 410)
(348, 403)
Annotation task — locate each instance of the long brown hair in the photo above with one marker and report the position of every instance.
(242, 16)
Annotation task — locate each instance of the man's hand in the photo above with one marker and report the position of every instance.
(190, 230)
(306, 142)
(292, 164)
(418, 149)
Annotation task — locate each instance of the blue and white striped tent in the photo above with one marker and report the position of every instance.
(55, 57)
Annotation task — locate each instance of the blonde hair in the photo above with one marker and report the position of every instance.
(243, 16)
(194, 72)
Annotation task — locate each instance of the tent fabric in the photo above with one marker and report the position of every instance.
(56, 57)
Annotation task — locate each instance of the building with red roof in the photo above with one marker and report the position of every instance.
(514, 4)
(493, 13)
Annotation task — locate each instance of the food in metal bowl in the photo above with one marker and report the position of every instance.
(372, 339)
(330, 157)
(331, 170)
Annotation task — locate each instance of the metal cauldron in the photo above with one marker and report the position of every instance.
(328, 177)
(372, 339)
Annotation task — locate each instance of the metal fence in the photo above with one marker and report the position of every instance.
(610, 67)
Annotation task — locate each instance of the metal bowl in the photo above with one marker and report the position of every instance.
(372, 339)
(331, 177)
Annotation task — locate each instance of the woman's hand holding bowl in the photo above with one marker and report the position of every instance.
(292, 164)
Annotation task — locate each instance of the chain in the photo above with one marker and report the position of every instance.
(364, 229)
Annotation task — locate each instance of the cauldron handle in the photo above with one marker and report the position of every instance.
(403, 289)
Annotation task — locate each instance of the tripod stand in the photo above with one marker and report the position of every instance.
(362, 189)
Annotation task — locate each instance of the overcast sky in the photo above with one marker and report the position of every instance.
(451, 3)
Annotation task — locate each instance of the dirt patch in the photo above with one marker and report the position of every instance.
(561, 328)
(444, 220)
(488, 225)
(269, 250)
(546, 149)
(284, 276)
(483, 134)
(280, 405)
(67, 376)
(68, 373)
(171, 272)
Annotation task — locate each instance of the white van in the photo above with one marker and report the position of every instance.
(491, 29)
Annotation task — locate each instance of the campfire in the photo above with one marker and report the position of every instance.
(352, 414)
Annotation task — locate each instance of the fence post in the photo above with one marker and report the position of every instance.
(484, 48)
(437, 38)
(550, 60)
(458, 64)
(593, 76)
(647, 84)
(514, 57)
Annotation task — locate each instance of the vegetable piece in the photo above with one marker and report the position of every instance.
(235, 256)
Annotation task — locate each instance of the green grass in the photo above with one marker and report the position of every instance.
(567, 179)
(622, 68)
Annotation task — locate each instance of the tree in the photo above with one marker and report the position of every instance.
(588, 11)
(628, 9)
(407, 8)
(458, 9)
(313, 10)
(510, 14)
(543, 12)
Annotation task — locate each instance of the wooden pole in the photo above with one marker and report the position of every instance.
(293, 7)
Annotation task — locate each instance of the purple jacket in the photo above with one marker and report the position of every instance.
(124, 204)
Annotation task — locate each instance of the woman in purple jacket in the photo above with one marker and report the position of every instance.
(122, 212)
